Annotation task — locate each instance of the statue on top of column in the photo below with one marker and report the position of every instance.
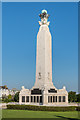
(44, 17)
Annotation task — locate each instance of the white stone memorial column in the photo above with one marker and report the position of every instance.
(44, 54)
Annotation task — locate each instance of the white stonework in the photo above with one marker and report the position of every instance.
(44, 92)
(44, 59)
(5, 92)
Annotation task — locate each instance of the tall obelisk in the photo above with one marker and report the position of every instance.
(44, 54)
(43, 92)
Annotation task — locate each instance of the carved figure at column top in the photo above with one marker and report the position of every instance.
(44, 16)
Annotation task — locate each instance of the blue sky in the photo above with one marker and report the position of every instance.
(20, 27)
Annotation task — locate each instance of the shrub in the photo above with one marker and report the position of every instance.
(41, 108)
(78, 108)
(7, 100)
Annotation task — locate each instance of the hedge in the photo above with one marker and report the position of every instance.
(42, 108)
(78, 108)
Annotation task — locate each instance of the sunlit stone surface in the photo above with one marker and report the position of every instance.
(44, 92)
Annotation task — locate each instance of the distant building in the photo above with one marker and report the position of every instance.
(4, 91)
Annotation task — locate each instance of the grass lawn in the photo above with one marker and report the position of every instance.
(38, 114)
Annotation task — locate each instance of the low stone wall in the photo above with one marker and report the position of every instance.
(74, 104)
(4, 105)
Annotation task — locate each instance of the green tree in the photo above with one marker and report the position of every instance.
(9, 96)
(72, 96)
(78, 97)
(16, 97)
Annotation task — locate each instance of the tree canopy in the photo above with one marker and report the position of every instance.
(16, 97)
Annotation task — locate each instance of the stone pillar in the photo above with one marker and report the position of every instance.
(57, 99)
(44, 97)
(25, 99)
(36, 99)
(50, 99)
(20, 98)
(44, 55)
(32, 98)
(39, 99)
(66, 98)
